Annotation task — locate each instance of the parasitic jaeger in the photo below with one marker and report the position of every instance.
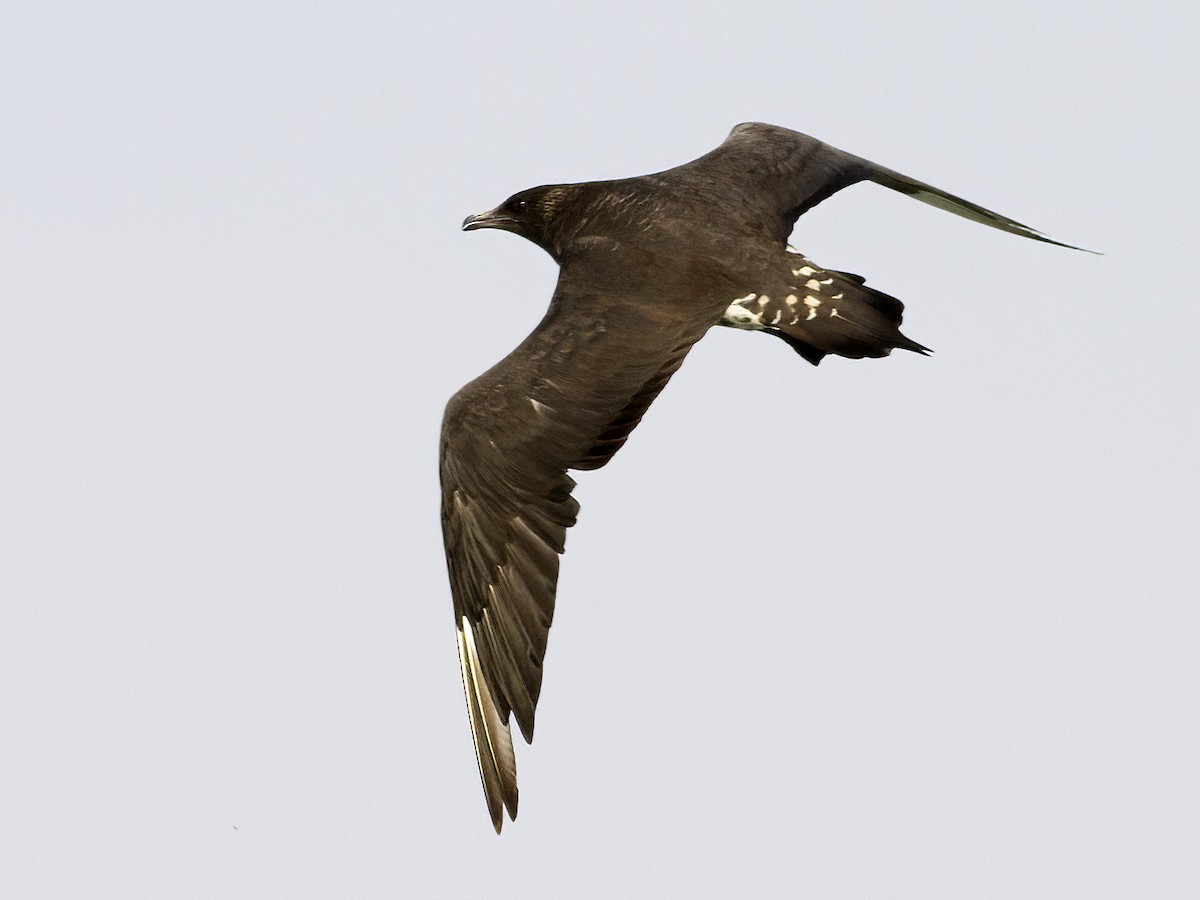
(647, 266)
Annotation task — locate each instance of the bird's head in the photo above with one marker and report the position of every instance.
(531, 214)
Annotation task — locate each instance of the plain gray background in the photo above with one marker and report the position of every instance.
(895, 628)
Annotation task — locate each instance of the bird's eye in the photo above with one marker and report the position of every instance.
(519, 206)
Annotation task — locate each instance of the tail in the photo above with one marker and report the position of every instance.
(837, 313)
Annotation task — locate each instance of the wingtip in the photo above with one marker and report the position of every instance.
(1046, 239)
(497, 811)
(525, 723)
(491, 735)
(948, 202)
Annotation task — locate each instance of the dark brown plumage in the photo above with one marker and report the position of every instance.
(647, 266)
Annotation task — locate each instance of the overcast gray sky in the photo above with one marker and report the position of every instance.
(912, 627)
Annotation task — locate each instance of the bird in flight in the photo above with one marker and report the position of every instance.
(646, 266)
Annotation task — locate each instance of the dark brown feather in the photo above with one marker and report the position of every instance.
(648, 264)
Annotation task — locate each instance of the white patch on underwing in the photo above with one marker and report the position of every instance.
(812, 314)
(838, 296)
(812, 284)
(792, 299)
(810, 300)
(804, 271)
(737, 316)
(778, 316)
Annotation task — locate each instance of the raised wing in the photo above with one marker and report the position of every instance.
(776, 175)
(566, 398)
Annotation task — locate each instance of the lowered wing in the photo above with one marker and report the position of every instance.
(566, 398)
